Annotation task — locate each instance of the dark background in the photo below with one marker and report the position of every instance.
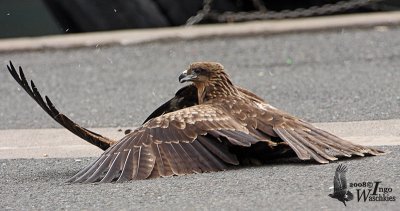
(43, 17)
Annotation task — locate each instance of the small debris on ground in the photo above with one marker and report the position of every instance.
(128, 131)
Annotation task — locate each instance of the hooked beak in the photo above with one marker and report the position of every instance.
(186, 77)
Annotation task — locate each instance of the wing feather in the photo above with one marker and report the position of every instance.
(130, 166)
(114, 169)
(195, 139)
(174, 149)
(235, 137)
(356, 149)
(265, 127)
(298, 148)
(329, 144)
(145, 163)
(190, 163)
(127, 167)
(311, 149)
(197, 157)
(219, 149)
(173, 159)
(163, 165)
(209, 159)
(316, 148)
(94, 174)
(180, 158)
(182, 137)
(306, 140)
(315, 138)
(89, 168)
(87, 135)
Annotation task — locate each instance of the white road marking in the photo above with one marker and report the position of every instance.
(60, 143)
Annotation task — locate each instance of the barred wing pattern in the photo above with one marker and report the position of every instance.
(181, 142)
(183, 137)
(307, 141)
(198, 139)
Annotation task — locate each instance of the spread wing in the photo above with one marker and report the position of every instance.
(339, 180)
(190, 140)
(306, 140)
(89, 136)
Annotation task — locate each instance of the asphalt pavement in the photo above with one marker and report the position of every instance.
(341, 75)
(38, 184)
(336, 75)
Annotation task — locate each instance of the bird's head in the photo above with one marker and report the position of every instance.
(210, 80)
(202, 72)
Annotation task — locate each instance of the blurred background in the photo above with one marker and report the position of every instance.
(44, 17)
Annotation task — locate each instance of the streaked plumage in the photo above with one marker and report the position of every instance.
(208, 126)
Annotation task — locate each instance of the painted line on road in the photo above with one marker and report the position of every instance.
(60, 143)
(134, 36)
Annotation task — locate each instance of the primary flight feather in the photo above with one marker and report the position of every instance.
(207, 126)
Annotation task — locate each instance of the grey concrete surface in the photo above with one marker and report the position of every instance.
(38, 184)
(340, 75)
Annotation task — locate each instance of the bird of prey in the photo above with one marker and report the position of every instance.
(207, 126)
(340, 191)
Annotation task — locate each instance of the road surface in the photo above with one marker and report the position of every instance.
(327, 76)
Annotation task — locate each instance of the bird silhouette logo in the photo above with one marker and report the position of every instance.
(340, 191)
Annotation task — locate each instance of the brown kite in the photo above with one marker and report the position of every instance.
(209, 125)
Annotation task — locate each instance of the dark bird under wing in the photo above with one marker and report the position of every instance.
(199, 138)
(340, 190)
(184, 97)
(205, 127)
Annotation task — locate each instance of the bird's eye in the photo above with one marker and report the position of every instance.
(197, 70)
